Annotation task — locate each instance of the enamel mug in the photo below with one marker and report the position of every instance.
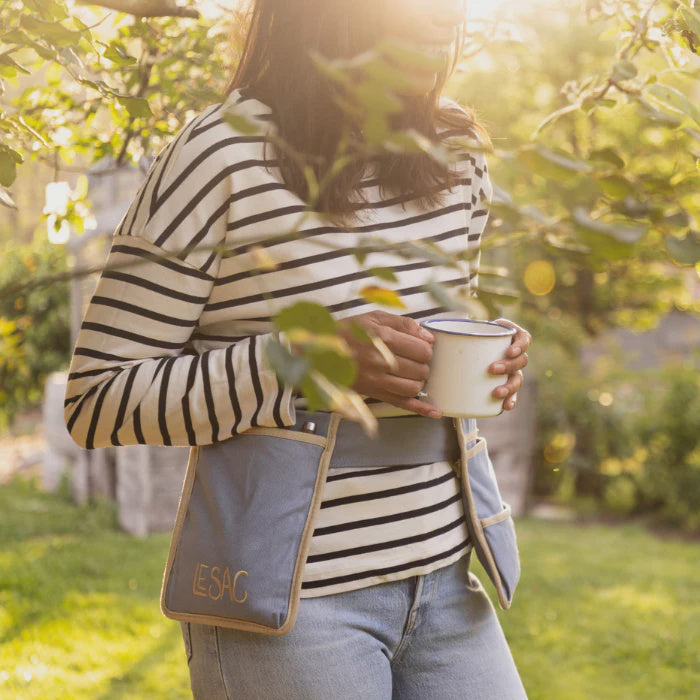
(459, 382)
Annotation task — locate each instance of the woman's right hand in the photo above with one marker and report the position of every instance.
(410, 344)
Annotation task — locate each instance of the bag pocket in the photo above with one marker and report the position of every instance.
(243, 529)
(491, 524)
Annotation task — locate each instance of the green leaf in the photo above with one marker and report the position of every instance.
(624, 70)
(607, 240)
(438, 292)
(316, 399)
(116, 53)
(339, 369)
(240, 123)
(307, 316)
(383, 273)
(288, 367)
(615, 186)
(14, 36)
(135, 106)
(360, 256)
(686, 250)
(7, 60)
(502, 295)
(382, 297)
(607, 155)
(674, 100)
(691, 19)
(551, 164)
(358, 332)
(48, 8)
(53, 32)
(9, 159)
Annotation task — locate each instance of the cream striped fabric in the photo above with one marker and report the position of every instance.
(172, 347)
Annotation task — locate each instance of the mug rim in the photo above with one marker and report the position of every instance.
(508, 330)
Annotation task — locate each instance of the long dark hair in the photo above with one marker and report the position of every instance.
(275, 67)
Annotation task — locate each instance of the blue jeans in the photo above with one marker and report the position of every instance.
(432, 637)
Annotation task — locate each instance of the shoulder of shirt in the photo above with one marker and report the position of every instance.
(211, 134)
(475, 147)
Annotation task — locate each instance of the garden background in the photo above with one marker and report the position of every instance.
(592, 245)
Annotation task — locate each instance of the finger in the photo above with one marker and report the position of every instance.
(407, 325)
(514, 383)
(509, 404)
(509, 366)
(405, 388)
(414, 405)
(410, 369)
(521, 340)
(406, 345)
(518, 347)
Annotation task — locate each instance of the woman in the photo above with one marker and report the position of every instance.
(172, 352)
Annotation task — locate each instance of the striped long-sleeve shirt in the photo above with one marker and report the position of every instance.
(171, 350)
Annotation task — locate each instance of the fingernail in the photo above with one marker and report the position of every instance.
(435, 414)
(515, 350)
(499, 367)
(427, 335)
(501, 391)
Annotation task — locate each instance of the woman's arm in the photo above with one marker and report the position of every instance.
(131, 380)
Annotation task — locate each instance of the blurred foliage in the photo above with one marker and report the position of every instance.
(597, 163)
(629, 441)
(592, 107)
(34, 325)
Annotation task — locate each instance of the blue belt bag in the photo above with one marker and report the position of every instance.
(248, 507)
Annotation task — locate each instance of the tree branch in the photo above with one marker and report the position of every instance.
(145, 8)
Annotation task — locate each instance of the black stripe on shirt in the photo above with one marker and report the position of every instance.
(119, 420)
(390, 544)
(162, 401)
(221, 176)
(185, 402)
(313, 286)
(153, 287)
(388, 493)
(256, 380)
(128, 335)
(332, 255)
(171, 263)
(384, 519)
(79, 406)
(136, 417)
(183, 137)
(97, 409)
(209, 397)
(308, 585)
(233, 394)
(370, 472)
(99, 355)
(201, 158)
(368, 228)
(141, 311)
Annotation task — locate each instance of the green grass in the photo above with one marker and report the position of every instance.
(601, 611)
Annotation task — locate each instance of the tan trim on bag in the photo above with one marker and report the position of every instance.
(296, 435)
(328, 443)
(477, 527)
(497, 517)
(177, 529)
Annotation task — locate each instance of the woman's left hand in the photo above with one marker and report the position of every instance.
(516, 359)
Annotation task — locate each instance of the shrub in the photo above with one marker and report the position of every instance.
(34, 325)
(628, 440)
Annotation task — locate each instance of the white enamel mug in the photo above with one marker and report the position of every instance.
(459, 382)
